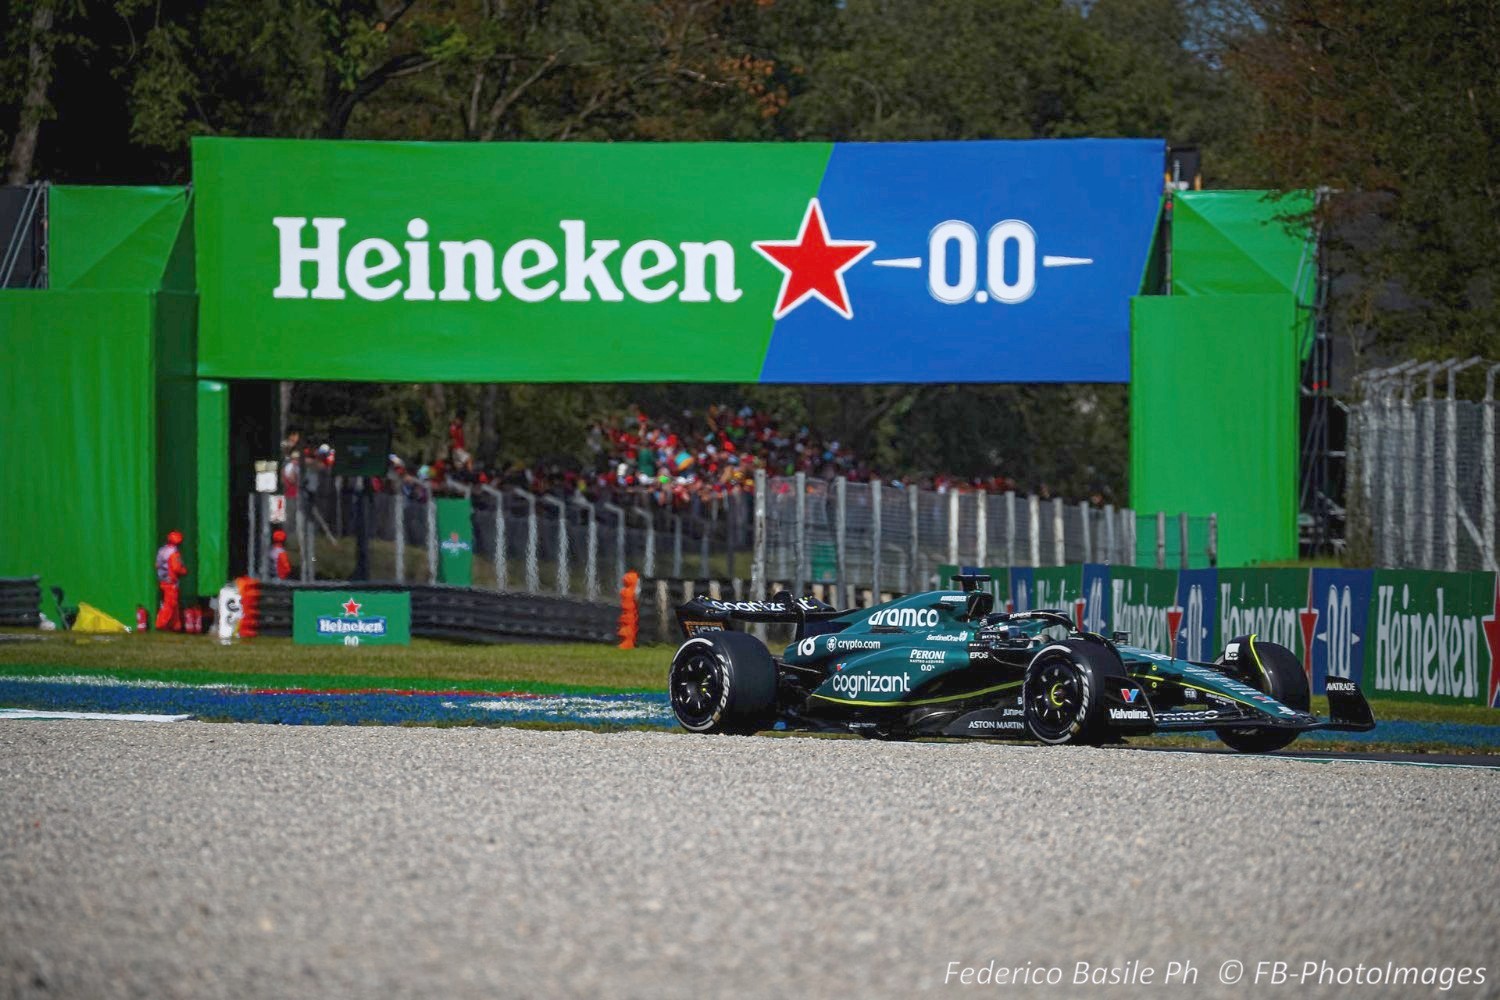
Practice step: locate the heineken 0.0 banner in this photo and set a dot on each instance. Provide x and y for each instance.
(455, 530)
(351, 617)
(730, 262)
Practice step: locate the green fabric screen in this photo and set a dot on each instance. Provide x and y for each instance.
(213, 482)
(112, 237)
(81, 440)
(1239, 243)
(103, 352)
(1213, 417)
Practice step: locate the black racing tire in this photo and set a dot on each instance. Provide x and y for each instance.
(1063, 692)
(1276, 671)
(723, 682)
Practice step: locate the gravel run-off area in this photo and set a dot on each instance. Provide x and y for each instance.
(201, 860)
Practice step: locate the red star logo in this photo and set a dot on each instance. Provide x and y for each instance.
(351, 607)
(1309, 620)
(813, 265)
(1492, 640)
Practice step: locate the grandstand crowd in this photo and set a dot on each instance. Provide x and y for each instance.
(672, 461)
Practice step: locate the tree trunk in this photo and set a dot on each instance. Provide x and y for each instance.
(34, 102)
(435, 402)
(489, 433)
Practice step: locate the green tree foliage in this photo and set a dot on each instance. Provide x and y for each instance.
(1392, 102)
(1393, 105)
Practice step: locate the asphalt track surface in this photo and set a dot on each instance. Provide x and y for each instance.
(198, 860)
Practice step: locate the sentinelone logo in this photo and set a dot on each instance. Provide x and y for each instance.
(812, 265)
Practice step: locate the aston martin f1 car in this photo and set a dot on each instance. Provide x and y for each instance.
(944, 663)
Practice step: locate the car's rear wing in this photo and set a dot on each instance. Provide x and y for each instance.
(707, 614)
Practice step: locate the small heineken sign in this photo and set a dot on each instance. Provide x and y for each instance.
(455, 532)
(351, 618)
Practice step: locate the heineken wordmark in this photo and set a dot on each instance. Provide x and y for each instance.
(647, 271)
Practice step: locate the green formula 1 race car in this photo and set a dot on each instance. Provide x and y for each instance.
(943, 663)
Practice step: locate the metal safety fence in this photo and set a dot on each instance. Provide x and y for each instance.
(884, 538)
(1422, 489)
(521, 541)
(853, 541)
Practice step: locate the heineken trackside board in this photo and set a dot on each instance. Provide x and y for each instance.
(351, 618)
(736, 262)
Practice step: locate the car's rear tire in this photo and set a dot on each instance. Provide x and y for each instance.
(1276, 671)
(723, 682)
(1063, 693)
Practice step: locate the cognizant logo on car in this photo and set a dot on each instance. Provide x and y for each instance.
(855, 685)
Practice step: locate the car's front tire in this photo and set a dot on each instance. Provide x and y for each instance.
(1276, 671)
(1063, 693)
(723, 682)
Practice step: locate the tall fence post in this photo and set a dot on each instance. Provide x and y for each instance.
(1428, 490)
(1059, 550)
(982, 529)
(619, 513)
(1010, 527)
(953, 501)
(1083, 519)
(432, 539)
(648, 558)
(1487, 471)
(676, 545)
(705, 536)
(875, 540)
(758, 557)
(398, 501)
(502, 581)
(252, 560)
(590, 548)
(1213, 540)
(731, 529)
(1161, 539)
(1034, 519)
(911, 579)
(1128, 536)
(561, 576)
(1450, 466)
(533, 563)
(840, 527)
(799, 543)
(1182, 539)
(1111, 552)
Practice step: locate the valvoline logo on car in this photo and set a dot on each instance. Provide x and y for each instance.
(1130, 695)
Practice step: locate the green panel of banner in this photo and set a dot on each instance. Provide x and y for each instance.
(351, 617)
(1265, 603)
(1431, 636)
(1138, 603)
(1056, 588)
(499, 320)
(455, 528)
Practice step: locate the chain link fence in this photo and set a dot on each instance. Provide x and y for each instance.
(846, 541)
(1422, 466)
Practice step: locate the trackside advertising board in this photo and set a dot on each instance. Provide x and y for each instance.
(1399, 633)
(725, 262)
(351, 617)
